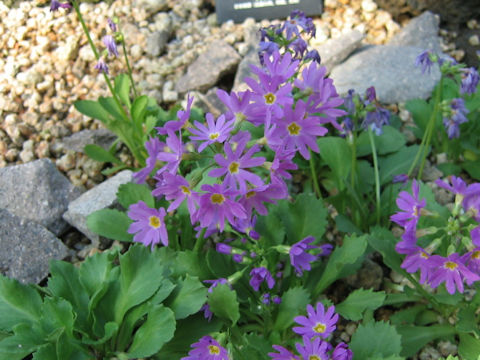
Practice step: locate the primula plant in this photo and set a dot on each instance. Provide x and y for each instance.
(225, 256)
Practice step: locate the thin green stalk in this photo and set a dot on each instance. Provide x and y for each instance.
(129, 68)
(314, 176)
(427, 136)
(377, 176)
(354, 160)
(200, 241)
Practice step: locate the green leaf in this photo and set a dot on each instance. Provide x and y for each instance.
(154, 333)
(271, 227)
(122, 88)
(18, 303)
(92, 109)
(224, 304)
(94, 270)
(467, 319)
(139, 110)
(294, 301)
(46, 352)
(98, 153)
(109, 104)
(136, 281)
(187, 298)
(408, 315)
(132, 193)
(352, 249)
(336, 152)
(110, 223)
(472, 168)
(353, 307)
(383, 241)
(25, 341)
(469, 347)
(421, 112)
(110, 329)
(396, 164)
(57, 313)
(415, 337)
(375, 339)
(390, 141)
(344, 224)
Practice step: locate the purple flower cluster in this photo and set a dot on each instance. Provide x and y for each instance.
(315, 329)
(110, 48)
(207, 348)
(457, 266)
(244, 181)
(454, 116)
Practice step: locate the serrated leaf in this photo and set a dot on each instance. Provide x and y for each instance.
(94, 270)
(18, 303)
(131, 193)
(467, 319)
(154, 333)
(224, 304)
(352, 249)
(110, 223)
(415, 337)
(187, 298)
(353, 307)
(136, 281)
(294, 301)
(469, 347)
(57, 313)
(92, 109)
(26, 339)
(375, 339)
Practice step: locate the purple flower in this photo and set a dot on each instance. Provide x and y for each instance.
(148, 226)
(298, 131)
(215, 131)
(224, 248)
(458, 185)
(452, 271)
(247, 226)
(417, 259)
(216, 205)
(318, 323)
(207, 348)
(101, 66)
(425, 61)
(207, 314)
(313, 55)
(409, 239)
(277, 299)
(171, 154)
(153, 146)
(470, 80)
(176, 125)
(258, 276)
(109, 42)
(400, 178)
(234, 165)
(279, 69)
(283, 354)
(325, 249)
(112, 25)
(237, 104)
(472, 260)
(55, 5)
(455, 117)
(299, 46)
(342, 352)
(299, 257)
(176, 188)
(371, 94)
(313, 348)
(376, 119)
(257, 196)
(410, 205)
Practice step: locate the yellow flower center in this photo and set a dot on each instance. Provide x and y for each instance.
(213, 136)
(217, 199)
(214, 350)
(185, 190)
(233, 167)
(239, 117)
(423, 255)
(250, 194)
(154, 222)
(320, 328)
(314, 357)
(294, 128)
(269, 98)
(450, 265)
(476, 255)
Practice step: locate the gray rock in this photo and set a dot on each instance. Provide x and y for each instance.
(421, 32)
(391, 69)
(100, 197)
(151, 6)
(209, 102)
(157, 42)
(334, 51)
(27, 247)
(218, 60)
(370, 276)
(101, 137)
(37, 191)
(244, 70)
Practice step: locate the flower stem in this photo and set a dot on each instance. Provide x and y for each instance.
(377, 176)
(316, 186)
(135, 94)
(200, 241)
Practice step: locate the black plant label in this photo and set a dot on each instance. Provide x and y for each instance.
(239, 10)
